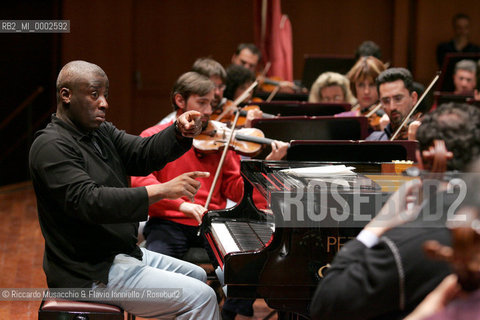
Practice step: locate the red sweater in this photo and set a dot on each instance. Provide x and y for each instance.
(229, 184)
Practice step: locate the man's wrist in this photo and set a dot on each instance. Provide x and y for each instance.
(177, 130)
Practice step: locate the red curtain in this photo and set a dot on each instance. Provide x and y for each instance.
(273, 36)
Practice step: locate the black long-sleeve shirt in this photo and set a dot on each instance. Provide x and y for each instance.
(390, 279)
(87, 212)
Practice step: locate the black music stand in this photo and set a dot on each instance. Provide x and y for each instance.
(297, 108)
(314, 65)
(445, 82)
(446, 97)
(313, 128)
(282, 96)
(358, 151)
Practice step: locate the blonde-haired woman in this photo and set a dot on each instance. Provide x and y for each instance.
(331, 87)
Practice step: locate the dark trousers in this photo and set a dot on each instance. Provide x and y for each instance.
(171, 238)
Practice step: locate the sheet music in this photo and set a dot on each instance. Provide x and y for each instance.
(323, 171)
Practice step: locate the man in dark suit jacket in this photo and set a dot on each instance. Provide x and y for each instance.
(383, 273)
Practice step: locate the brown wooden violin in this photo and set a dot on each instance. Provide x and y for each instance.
(228, 111)
(373, 117)
(245, 141)
(274, 83)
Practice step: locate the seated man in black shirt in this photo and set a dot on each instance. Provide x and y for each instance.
(88, 214)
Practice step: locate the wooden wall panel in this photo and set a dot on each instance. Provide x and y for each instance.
(338, 27)
(101, 33)
(170, 35)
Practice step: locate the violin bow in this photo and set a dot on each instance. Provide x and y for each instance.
(273, 93)
(263, 74)
(237, 101)
(374, 109)
(416, 105)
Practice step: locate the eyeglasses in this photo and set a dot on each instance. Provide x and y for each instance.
(397, 99)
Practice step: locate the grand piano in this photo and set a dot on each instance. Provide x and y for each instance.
(279, 253)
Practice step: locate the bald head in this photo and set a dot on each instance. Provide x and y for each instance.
(76, 72)
(82, 92)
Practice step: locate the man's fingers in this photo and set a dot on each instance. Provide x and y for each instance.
(191, 118)
(198, 174)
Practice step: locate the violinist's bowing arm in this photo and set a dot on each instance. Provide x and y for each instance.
(192, 210)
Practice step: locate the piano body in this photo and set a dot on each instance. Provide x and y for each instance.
(279, 254)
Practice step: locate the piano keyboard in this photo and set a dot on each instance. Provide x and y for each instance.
(234, 236)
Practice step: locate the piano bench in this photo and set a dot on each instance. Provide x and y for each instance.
(80, 310)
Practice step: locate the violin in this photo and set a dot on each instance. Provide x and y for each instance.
(228, 112)
(245, 141)
(373, 117)
(270, 84)
(276, 83)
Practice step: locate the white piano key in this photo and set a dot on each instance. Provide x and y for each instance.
(223, 238)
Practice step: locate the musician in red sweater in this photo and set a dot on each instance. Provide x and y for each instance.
(173, 224)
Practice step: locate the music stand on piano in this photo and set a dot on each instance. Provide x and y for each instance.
(311, 128)
(283, 96)
(347, 150)
(300, 108)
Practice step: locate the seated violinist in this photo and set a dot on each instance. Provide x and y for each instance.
(216, 73)
(171, 228)
(362, 78)
(331, 87)
(238, 80)
(465, 77)
(248, 55)
(398, 97)
(173, 224)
